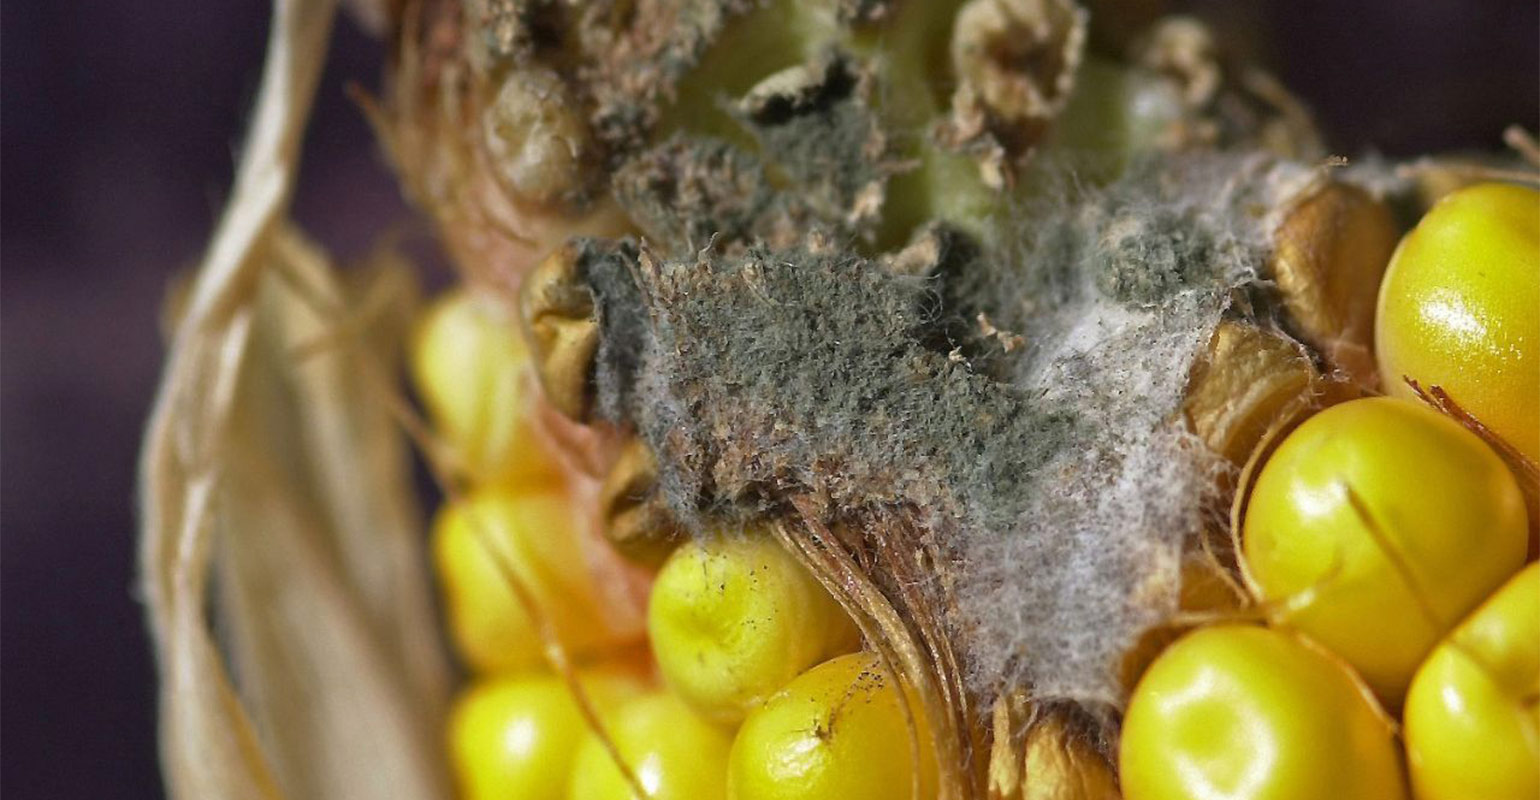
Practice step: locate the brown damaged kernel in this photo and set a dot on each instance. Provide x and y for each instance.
(1205, 591)
(1331, 250)
(1016, 58)
(1183, 49)
(540, 145)
(1248, 378)
(500, 30)
(636, 521)
(815, 125)
(1048, 758)
(1225, 103)
(1015, 62)
(633, 55)
(1063, 764)
(562, 330)
(924, 254)
(1004, 765)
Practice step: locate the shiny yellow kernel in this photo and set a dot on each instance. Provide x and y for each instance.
(1472, 722)
(1460, 309)
(470, 365)
(516, 736)
(1438, 523)
(837, 732)
(673, 753)
(533, 533)
(734, 618)
(1246, 713)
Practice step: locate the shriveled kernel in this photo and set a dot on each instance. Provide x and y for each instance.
(1205, 589)
(1183, 49)
(517, 736)
(1018, 57)
(1248, 380)
(1246, 712)
(1007, 721)
(1039, 754)
(1015, 62)
(1476, 701)
(837, 732)
(563, 332)
(636, 520)
(1330, 251)
(533, 536)
(1375, 527)
(537, 137)
(672, 753)
(1224, 103)
(1063, 764)
(1434, 178)
(471, 368)
(734, 618)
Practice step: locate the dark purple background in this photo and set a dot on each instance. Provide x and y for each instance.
(120, 118)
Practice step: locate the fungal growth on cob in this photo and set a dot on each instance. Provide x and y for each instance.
(992, 399)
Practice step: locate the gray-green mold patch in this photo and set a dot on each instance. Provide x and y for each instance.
(1025, 400)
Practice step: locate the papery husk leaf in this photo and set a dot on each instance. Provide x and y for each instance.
(280, 482)
(321, 586)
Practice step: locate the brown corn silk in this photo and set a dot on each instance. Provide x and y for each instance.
(282, 559)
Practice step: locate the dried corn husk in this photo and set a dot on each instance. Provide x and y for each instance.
(275, 490)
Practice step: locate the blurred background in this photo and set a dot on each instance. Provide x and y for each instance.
(118, 127)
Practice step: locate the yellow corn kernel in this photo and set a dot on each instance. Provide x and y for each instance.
(672, 753)
(1473, 712)
(472, 370)
(534, 534)
(1460, 309)
(1376, 526)
(837, 732)
(516, 736)
(735, 618)
(1242, 712)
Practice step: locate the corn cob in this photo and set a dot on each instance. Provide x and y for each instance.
(796, 303)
